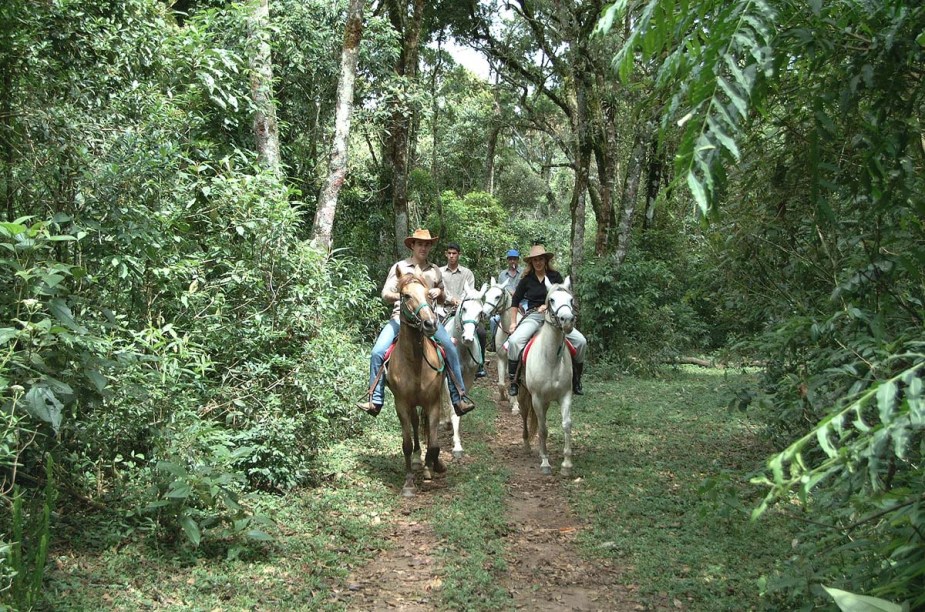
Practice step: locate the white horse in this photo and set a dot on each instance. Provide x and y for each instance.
(548, 376)
(498, 301)
(461, 328)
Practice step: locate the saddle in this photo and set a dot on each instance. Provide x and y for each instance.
(523, 356)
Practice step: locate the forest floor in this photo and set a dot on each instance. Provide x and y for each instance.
(654, 517)
(545, 568)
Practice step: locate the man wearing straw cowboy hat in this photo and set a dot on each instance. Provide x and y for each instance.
(420, 243)
(533, 287)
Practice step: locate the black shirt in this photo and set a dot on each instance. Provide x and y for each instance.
(533, 290)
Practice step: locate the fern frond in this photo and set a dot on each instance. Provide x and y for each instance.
(714, 56)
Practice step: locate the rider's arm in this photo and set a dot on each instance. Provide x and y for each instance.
(514, 313)
(390, 288)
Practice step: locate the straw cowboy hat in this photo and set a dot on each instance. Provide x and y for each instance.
(538, 250)
(421, 234)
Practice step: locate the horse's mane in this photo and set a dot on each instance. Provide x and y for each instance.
(557, 287)
(409, 278)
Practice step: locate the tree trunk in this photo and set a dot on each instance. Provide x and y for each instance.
(397, 149)
(266, 132)
(337, 164)
(583, 163)
(653, 182)
(630, 195)
(492, 144)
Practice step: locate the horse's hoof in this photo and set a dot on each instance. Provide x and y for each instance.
(416, 464)
(427, 475)
(457, 454)
(547, 471)
(407, 492)
(440, 467)
(565, 473)
(515, 410)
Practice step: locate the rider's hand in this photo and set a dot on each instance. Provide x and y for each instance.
(433, 293)
(541, 308)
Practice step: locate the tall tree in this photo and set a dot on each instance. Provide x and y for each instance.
(266, 130)
(397, 149)
(337, 164)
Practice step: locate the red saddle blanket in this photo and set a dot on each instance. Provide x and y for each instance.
(571, 349)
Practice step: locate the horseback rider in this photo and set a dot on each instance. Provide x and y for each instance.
(508, 277)
(533, 287)
(455, 280)
(420, 244)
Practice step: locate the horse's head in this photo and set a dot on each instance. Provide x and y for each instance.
(560, 306)
(469, 313)
(496, 299)
(416, 308)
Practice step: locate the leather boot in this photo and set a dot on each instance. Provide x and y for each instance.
(577, 370)
(369, 408)
(512, 376)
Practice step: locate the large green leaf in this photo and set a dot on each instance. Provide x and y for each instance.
(849, 602)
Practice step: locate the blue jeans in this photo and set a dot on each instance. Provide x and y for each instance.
(385, 339)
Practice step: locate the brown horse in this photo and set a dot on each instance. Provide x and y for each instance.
(415, 376)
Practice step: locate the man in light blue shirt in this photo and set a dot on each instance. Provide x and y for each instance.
(509, 277)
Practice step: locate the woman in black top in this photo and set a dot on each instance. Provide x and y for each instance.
(533, 287)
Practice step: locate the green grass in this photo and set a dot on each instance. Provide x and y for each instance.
(323, 533)
(660, 478)
(663, 469)
(469, 519)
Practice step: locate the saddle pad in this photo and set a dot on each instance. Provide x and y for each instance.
(571, 348)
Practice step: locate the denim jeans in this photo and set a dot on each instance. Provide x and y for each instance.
(385, 339)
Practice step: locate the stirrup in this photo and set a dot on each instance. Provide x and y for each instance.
(513, 390)
(463, 406)
(369, 408)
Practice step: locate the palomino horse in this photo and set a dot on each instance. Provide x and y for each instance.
(461, 328)
(497, 300)
(548, 376)
(415, 376)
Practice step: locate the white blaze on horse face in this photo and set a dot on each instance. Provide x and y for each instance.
(470, 312)
(492, 299)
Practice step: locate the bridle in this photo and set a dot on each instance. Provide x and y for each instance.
(413, 317)
(498, 307)
(552, 316)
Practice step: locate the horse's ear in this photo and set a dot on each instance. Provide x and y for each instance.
(493, 280)
(567, 283)
(483, 289)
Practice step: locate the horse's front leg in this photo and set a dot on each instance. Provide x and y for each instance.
(432, 463)
(407, 446)
(457, 441)
(566, 405)
(540, 409)
(415, 425)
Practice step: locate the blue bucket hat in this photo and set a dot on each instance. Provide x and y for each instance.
(513, 253)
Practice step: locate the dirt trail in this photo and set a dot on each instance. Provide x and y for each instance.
(545, 569)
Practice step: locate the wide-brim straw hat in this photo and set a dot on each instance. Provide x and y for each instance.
(420, 234)
(538, 250)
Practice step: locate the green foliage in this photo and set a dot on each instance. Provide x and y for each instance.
(196, 485)
(820, 248)
(714, 56)
(642, 317)
(478, 223)
(22, 559)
